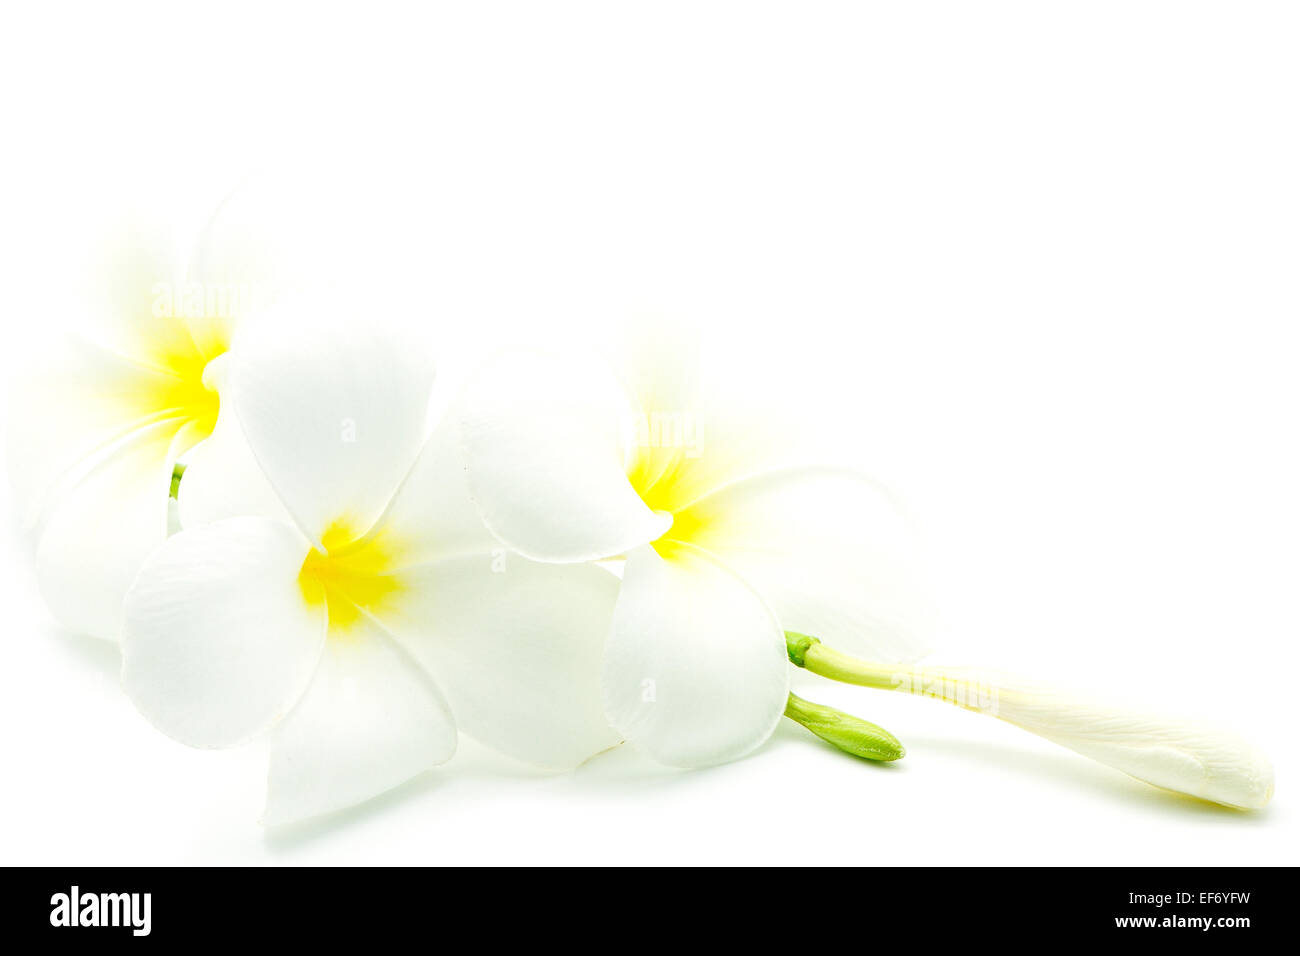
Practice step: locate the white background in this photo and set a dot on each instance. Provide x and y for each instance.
(1034, 264)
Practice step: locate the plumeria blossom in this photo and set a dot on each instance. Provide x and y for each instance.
(569, 462)
(99, 424)
(727, 571)
(361, 615)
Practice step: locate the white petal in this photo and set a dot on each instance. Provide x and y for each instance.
(100, 531)
(516, 646)
(432, 516)
(222, 478)
(370, 720)
(828, 550)
(695, 669)
(265, 240)
(333, 409)
(694, 432)
(136, 293)
(288, 229)
(543, 444)
(659, 363)
(1182, 755)
(218, 642)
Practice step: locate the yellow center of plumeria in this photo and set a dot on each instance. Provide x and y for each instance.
(353, 573)
(182, 391)
(192, 398)
(663, 477)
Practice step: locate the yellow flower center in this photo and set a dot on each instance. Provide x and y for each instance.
(353, 573)
(180, 390)
(189, 396)
(664, 480)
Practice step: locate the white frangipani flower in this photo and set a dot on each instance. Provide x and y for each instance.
(376, 618)
(721, 561)
(567, 464)
(99, 424)
(96, 429)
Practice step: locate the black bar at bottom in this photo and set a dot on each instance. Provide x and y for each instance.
(577, 908)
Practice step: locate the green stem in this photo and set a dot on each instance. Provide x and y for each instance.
(1169, 752)
(178, 470)
(949, 685)
(850, 734)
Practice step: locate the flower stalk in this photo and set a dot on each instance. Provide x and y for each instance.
(178, 471)
(1172, 753)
